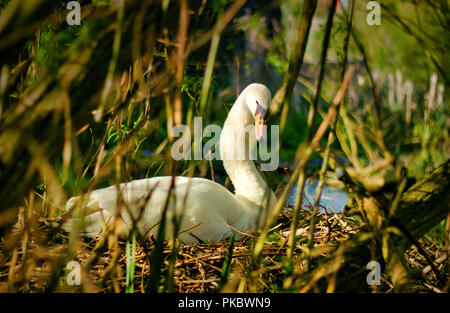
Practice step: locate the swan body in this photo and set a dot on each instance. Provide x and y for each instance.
(209, 211)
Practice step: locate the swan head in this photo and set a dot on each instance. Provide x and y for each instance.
(258, 98)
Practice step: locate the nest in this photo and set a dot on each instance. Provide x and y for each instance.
(34, 258)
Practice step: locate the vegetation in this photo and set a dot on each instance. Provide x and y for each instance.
(90, 105)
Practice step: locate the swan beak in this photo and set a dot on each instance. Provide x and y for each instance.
(259, 126)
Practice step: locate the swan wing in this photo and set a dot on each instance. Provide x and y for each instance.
(207, 208)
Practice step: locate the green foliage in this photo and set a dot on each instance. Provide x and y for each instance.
(226, 268)
(131, 260)
(255, 28)
(102, 3)
(437, 233)
(292, 133)
(4, 4)
(193, 80)
(119, 132)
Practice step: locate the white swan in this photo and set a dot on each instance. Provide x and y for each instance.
(211, 212)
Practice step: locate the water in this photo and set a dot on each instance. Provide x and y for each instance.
(332, 200)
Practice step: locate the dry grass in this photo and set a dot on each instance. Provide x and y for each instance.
(33, 259)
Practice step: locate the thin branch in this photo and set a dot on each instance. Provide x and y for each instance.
(283, 96)
(311, 118)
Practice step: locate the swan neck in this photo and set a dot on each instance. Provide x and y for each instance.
(242, 171)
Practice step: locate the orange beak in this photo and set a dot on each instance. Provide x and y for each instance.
(259, 126)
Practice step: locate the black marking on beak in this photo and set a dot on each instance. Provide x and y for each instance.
(260, 109)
